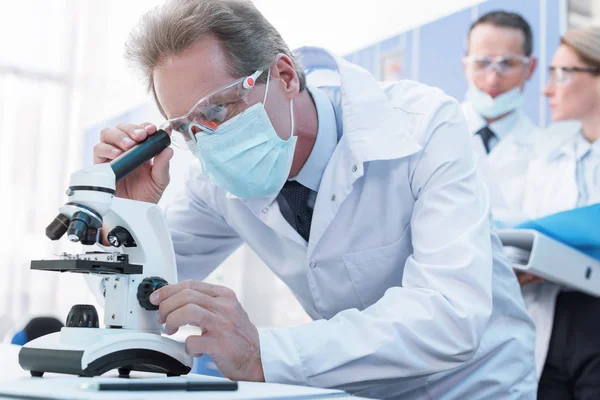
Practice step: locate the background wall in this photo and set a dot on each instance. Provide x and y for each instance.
(432, 52)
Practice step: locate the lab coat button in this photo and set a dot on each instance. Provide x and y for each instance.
(333, 197)
(265, 210)
(354, 168)
(313, 264)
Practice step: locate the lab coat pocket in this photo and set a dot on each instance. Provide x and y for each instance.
(374, 271)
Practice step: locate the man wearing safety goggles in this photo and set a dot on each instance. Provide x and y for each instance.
(498, 65)
(363, 198)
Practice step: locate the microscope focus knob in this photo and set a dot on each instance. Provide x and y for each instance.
(146, 288)
(82, 316)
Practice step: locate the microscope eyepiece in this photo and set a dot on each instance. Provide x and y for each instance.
(140, 153)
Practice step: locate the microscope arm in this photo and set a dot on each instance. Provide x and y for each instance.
(153, 250)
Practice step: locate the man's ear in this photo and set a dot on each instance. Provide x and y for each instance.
(284, 69)
(532, 67)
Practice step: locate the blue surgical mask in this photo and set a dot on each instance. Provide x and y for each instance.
(245, 156)
(489, 107)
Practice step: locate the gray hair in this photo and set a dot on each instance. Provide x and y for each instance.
(250, 41)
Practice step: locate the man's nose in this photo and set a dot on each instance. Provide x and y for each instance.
(548, 89)
(493, 76)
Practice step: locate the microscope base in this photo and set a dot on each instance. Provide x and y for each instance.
(94, 351)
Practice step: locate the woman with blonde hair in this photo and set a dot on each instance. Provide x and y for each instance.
(568, 322)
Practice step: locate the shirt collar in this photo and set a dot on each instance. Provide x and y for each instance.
(504, 126)
(576, 146)
(596, 147)
(311, 173)
(582, 146)
(501, 128)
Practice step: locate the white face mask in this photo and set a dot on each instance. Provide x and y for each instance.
(245, 156)
(489, 107)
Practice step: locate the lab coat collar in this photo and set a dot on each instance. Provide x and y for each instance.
(372, 130)
(372, 125)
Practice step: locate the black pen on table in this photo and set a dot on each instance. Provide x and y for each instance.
(189, 386)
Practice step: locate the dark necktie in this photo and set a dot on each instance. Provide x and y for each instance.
(296, 197)
(486, 135)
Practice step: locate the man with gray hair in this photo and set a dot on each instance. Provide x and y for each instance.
(363, 198)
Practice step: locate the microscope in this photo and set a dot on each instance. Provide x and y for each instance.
(143, 261)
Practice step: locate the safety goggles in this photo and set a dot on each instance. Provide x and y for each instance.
(205, 117)
(564, 75)
(509, 65)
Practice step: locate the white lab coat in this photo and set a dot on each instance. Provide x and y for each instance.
(551, 187)
(398, 273)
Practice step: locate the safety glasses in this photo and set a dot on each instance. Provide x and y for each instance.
(508, 65)
(564, 75)
(205, 117)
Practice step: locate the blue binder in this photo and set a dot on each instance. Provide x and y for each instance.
(578, 228)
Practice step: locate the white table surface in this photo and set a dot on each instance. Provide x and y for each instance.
(13, 379)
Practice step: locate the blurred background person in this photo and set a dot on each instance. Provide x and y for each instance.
(498, 65)
(568, 322)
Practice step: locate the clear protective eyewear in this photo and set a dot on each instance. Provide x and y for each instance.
(210, 112)
(503, 65)
(564, 75)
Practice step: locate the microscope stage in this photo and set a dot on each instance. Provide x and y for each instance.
(87, 266)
